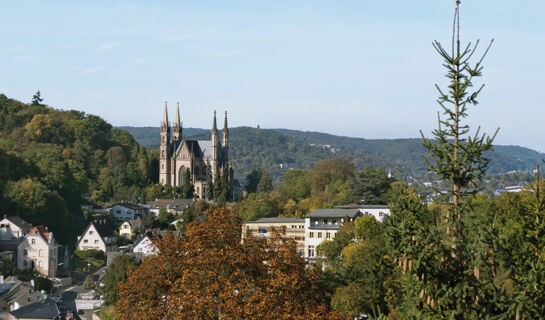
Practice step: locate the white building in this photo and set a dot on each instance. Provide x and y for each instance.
(322, 225)
(145, 246)
(38, 252)
(378, 211)
(127, 211)
(97, 236)
(13, 228)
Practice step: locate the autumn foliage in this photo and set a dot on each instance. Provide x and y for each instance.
(211, 274)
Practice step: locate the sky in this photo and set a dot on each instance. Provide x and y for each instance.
(355, 68)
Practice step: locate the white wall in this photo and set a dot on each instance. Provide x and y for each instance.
(9, 230)
(39, 251)
(91, 240)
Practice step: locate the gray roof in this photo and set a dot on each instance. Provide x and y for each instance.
(129, 205)
(206, 147)
(333, 213)
(364, 206)
(277, 220)
(25, 226)
(46, 309)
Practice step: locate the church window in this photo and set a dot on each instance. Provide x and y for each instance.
(163, 166)
(163, 153)
(197, 172)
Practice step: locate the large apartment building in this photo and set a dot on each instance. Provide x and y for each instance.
(265, 228)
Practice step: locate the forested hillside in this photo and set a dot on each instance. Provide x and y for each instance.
(268, 148)
(408, 152)
(50, 158)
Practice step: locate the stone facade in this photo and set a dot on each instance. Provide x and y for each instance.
(38, 252)
(200, 157)
(265, 228)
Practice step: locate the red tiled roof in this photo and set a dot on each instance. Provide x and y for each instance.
(41, 230)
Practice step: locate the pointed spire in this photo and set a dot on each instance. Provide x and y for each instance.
(178, 124)
(165, 115)
(215, 126)
(225, 122)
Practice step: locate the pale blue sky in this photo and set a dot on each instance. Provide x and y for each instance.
(356, 68)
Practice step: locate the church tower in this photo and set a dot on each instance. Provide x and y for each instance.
(177, 129)
(214, 148)
(164, 164)
(225, 141)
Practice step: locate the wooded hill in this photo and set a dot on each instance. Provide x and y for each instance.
(268, 148)
(49, 159)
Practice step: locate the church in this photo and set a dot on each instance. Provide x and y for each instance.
(200, 157)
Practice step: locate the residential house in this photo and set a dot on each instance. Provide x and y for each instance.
(144, 247)
(322, 225)
(174, 206)
(38, 251)
(127, 211)
(45, 309)
(97, 236)
(13, 228)
(265, 228)
(128, 228)
(15, 294)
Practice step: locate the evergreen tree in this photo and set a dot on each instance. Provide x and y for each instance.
(265, 183)
(210, 183)
(37, 99)
(188, 189)
(453, 276)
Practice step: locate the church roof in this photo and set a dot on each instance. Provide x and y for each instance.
(201, 148)
(206, 147)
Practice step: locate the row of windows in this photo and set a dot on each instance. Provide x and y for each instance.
(40, 253)
(87, 241)
(319, 235)
(333, 222)
(25, 264)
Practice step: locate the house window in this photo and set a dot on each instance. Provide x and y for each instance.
(335, 222)
(325, 221)
(25, 253)
(311, 234)
(311, 251)
(319, 235)
(33, 241)
(96, 241)
(25, 263)
(316, 222)
(85, 241)
(328, 235)
(90, 231)
(262, 230)
(40, 264)
(40, 253)
(125, 227)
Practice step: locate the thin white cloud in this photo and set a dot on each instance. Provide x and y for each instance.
(108, 46)
(177, 38)
(90, 70)
(136, 61)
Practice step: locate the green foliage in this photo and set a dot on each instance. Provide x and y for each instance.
(118, 271)
(369, 186)
(165, 218)
(41, 283)
(95, 254)
(88, 260)
(49, 158)
(187, 187)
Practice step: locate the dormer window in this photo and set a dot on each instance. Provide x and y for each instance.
(33, 241)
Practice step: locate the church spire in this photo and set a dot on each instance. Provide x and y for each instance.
(177, 130)
(225, 131)
(214, 125)
(165, 116)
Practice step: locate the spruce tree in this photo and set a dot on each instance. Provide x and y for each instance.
(453, 275)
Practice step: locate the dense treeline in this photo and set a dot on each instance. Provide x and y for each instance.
(331, 182)
(49, 158)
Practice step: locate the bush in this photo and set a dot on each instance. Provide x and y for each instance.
(88, 283)
(85, 254)
(41, 283)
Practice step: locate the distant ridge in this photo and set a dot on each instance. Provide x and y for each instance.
(268, 148)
